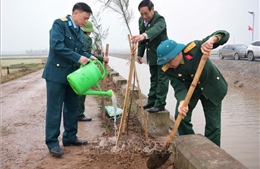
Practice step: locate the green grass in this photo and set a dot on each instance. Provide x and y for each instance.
(15, 61)
(19, 67)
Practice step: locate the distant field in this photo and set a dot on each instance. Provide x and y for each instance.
(14, 61)
(13, 64)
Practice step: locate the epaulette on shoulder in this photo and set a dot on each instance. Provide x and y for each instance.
(189, 47)
(64, 19)
(165, 68)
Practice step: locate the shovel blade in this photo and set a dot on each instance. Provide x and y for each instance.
(157, 159)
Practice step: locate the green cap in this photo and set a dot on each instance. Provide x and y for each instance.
(167, 50)
(88, 27)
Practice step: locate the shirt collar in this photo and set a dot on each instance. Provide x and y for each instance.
(182, 61)
(145, 23)
(74, 25)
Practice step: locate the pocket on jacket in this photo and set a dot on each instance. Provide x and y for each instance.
(59, 70)
(69, 40)
(215, 89)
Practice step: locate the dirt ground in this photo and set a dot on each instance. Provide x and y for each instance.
(23, 124)
(23, 108)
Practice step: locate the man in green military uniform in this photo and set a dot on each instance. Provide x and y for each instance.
(87, 41)
(152, 27)
(65, 53)
(180, 64)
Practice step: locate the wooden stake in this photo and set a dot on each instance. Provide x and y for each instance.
(106, 54)
(132, 57)
(1, 73)
(144, 120)
(126, 99)
(104, 80)
(132, 69)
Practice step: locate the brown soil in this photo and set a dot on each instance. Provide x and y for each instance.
(23, 123)
(242, 74)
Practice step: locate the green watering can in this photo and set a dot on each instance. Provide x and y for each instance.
(88, 76)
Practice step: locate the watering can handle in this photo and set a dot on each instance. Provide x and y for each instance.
(187, 98)
(103, 73)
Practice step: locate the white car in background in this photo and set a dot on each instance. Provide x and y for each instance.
(253, 50)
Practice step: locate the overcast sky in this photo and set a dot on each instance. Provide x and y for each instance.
(25, 24)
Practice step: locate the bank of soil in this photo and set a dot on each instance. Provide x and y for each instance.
(242, 74)
(23, 104)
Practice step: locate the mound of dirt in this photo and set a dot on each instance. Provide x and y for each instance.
(243, 73)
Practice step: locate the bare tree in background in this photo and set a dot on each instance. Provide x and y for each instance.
(99, 35)
(121, 7)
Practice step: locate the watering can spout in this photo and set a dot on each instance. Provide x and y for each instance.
(108, 93)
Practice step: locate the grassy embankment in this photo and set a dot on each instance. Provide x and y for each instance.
(12, 68)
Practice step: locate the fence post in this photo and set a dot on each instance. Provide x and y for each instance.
(1, 74)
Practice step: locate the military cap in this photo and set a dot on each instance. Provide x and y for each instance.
(88, 27)
(167, 50)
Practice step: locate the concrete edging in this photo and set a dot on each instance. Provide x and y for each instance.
(188, 151)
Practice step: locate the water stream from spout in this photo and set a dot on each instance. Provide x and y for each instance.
(114, 102)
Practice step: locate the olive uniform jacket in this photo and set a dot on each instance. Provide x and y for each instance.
(66, 48)
(87, 41)
(156, 31)
(211, 85)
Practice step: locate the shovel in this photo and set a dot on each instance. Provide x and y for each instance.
(158, 158)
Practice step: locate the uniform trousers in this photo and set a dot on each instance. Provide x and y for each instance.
(212, 115)
(81, 107)
(159, 84)
(59, 95)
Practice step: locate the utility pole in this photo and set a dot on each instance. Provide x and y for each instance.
(252, 13)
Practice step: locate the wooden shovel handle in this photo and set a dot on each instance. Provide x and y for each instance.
(187, 98)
